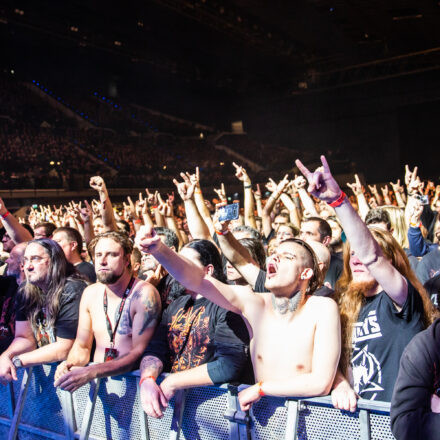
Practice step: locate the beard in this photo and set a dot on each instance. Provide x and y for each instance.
(108, 277)
(360, 289)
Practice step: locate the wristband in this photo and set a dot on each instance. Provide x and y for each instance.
(5, 214)
(198, 191)
(260, 389)
(222, 232)
(138, 220)
(415, 225)
(247, 186)
(145, 378)
(339, 200)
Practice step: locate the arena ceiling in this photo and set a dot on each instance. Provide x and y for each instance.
(282, 46)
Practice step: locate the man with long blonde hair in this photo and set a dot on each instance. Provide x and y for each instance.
(382, 303)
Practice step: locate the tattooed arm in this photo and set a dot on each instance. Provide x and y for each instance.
(146, 305)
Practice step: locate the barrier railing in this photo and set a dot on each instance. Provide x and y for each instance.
(110, 408)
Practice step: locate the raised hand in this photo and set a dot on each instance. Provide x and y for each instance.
(257, 192)
(271, 185)
(240, 173)
(397, 188)
(299, 182)
(384, 190)
(185, 188)
(148, 240)
(321, 183)
(410, 175)
(221, 192)
(373, 189)
(97, 183)
(356, 187)
(151, 197)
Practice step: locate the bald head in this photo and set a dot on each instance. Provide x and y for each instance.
(14, 260)
(322, 254)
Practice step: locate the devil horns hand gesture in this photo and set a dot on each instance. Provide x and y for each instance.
(321, 182)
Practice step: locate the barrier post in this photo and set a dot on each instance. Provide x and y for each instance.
(364, 420)
(238, 420)
(24, 386)
(293, 409)
(143, 419)
(66, 401)
(90, 409)
(179, 408)
(11, 400)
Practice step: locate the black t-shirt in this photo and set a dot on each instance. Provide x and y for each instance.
(335, 269)
(195, 332)
(66, 322)
(429, 266)
(379, 338)
(8, 290)
(433, 288)
(87, 270)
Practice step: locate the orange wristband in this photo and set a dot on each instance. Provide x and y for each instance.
(260, 390)
(222, 232)
(145, 378)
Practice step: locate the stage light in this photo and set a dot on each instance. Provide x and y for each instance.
(12, 71)
(51, 162)
(222, 163)
(58, 163)
(201, 135)
(164, 167)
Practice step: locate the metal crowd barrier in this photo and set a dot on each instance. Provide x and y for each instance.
(110, 408)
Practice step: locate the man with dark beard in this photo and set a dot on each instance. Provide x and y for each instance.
(119, 311)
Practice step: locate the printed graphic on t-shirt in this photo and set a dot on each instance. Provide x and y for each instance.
(7, 319)
(188, 338)
(44, 334)
(367, 372)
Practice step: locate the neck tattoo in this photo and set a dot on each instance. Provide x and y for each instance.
(284, 305)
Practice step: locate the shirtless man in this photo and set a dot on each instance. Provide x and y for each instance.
(121, 332)
(295, 336)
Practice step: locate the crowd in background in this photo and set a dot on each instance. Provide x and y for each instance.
(305, 291)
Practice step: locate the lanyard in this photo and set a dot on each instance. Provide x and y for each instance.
(110, 331)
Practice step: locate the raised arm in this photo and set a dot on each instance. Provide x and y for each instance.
(108, 217)
(200, 201)
(357, 189)
(270, 203)
(86, 215)
(193, 277)
(323, 185)
(236, 253)
(196, 225)
(309, 205)
(15, 230)
(249, 205)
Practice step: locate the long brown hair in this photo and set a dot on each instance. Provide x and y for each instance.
(351, 300)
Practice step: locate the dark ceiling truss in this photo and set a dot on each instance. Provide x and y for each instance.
(377, 70)
(237, 25)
